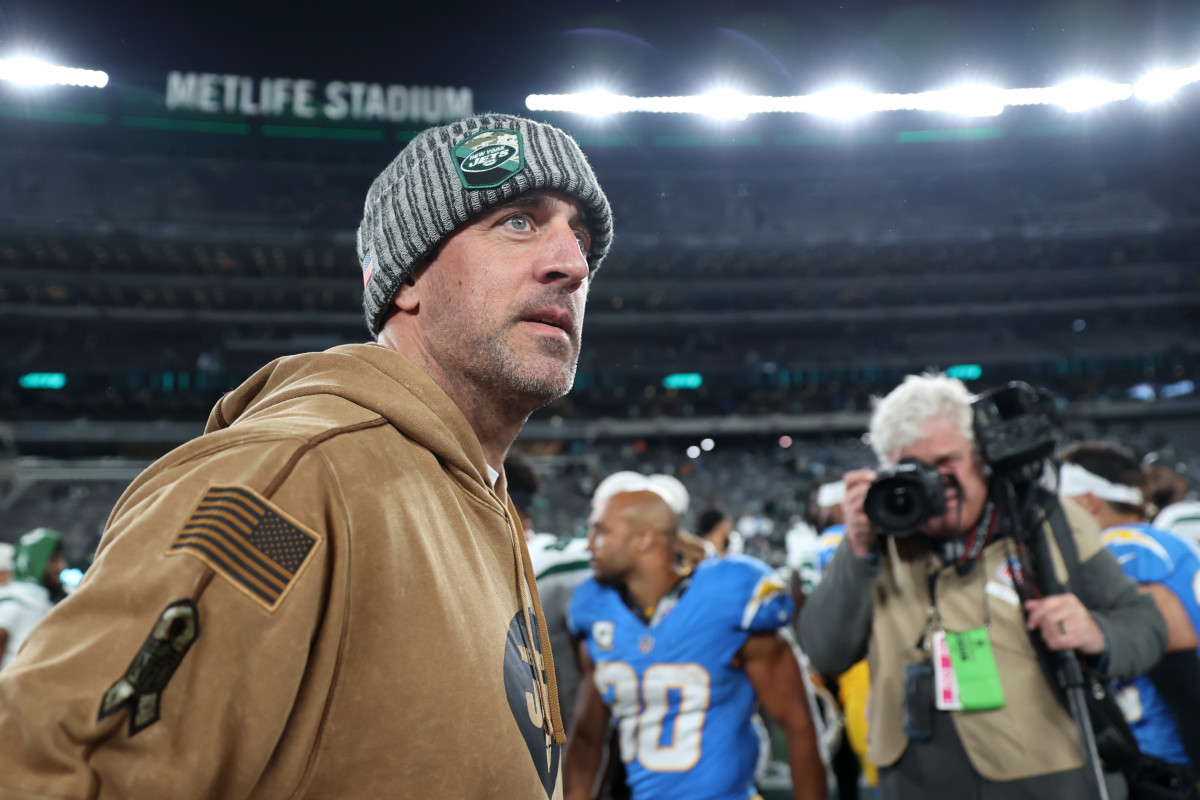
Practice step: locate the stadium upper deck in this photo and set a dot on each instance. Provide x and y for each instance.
(796, 267)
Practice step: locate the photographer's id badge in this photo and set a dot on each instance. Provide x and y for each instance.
(975, 670)
(945, 684)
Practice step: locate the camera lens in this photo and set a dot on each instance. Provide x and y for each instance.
(898, 502)
(900, 506)
(903, 499)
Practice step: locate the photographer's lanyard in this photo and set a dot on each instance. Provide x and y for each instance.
(964, 668)
(972, 548)
(978, 538)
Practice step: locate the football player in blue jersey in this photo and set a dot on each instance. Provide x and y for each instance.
(829, 522)
(678, 660)
(1107, 481)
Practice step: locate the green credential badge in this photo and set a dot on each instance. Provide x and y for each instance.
(975, 670)
(487, 159)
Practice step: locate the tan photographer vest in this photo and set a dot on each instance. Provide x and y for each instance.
(1032, 734)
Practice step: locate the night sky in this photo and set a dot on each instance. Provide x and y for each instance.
(630, 46)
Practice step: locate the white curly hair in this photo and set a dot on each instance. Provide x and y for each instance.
(899, 419)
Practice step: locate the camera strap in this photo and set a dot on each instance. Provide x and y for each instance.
(978, 538)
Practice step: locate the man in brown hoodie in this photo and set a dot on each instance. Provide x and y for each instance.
(328, 593)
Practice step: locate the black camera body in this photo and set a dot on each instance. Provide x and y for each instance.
(905, 497)
(1016, 429)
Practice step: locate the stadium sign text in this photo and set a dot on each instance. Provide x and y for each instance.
(337, 100)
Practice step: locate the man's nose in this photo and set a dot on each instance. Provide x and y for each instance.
(562, 259)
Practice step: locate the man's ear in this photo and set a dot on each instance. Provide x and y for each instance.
(408, 296)
(642, 539)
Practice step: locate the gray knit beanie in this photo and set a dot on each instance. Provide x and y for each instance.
(448, 175)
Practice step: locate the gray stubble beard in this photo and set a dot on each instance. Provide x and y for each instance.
(505, 372)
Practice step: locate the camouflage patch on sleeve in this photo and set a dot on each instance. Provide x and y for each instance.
(140, 689)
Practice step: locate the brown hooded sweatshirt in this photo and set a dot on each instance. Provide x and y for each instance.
(322, 597)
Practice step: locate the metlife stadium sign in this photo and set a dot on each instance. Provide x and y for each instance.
(305, 99)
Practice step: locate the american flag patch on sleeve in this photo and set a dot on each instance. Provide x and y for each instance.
(248, 541)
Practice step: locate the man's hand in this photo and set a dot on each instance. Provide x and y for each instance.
(1065, 624)
(860, 533)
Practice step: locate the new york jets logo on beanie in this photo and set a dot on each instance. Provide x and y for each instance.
(489, 158)
(451, 174)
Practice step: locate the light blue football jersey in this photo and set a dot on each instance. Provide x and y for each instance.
(827, 545)
(681, 705)
(1150, 555)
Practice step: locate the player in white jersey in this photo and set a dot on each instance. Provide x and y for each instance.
(37, 561)
(1179, 508)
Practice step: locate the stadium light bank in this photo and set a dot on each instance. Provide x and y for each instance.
(848, 102)
(25, 71)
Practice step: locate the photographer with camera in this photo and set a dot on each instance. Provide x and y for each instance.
(934, 582)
